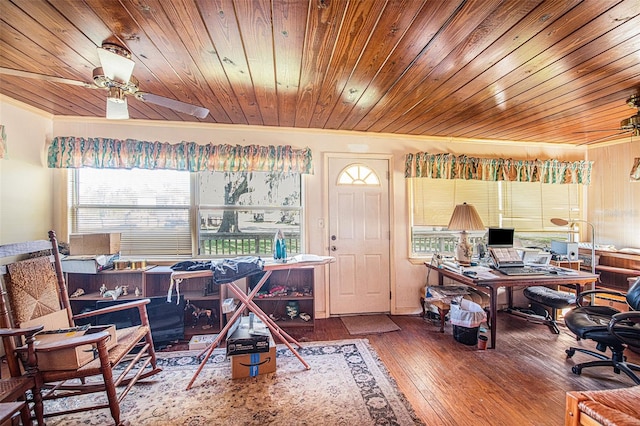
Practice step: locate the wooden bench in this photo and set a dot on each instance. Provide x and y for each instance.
(615, 268)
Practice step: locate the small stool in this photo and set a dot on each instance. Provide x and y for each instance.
(548, 298)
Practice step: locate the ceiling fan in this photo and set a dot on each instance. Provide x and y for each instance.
(629, 125)
(116, 76)
(632, 123)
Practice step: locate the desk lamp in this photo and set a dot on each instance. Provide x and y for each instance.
(465, 218)
(562, 222)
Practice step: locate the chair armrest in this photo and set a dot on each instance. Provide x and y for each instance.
(71, 342)
(598, 291)
(13, 332)
(27, 351)
(625, 326)
(115, 308)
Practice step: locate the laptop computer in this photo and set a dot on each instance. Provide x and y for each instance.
(507, 261)
(500, 237)
(506, 258)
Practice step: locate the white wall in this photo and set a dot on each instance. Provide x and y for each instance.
(26, 188)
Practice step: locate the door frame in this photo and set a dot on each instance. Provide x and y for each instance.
(325, 188)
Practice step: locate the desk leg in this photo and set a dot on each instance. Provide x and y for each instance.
(493, 323)
(443, 311)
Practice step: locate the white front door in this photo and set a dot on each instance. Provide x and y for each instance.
(359, 235)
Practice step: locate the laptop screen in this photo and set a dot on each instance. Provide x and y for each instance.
(500, 237)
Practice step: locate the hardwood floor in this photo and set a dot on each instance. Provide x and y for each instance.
(522, 382)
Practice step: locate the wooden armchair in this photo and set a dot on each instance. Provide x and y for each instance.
(14, 389)
(603, 407)
(37, 294)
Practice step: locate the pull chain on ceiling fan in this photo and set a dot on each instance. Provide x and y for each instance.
(116, 76)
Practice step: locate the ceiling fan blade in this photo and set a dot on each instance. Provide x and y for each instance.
(604, 138)
(117, 110)
(18, 73)
(598, 131)
(114, 66)
(186, 108)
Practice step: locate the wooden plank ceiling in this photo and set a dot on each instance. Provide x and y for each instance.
(544, 71)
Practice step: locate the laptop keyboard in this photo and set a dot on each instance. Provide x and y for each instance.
(523, 270)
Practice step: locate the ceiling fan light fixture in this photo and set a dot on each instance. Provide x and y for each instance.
(117, 110)
(116, 95)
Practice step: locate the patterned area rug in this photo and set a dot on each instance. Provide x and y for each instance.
(346, 385)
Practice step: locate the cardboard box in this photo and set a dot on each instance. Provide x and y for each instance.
(71, 358)
(108, 243)
(251, 365)
(87, 264)
(248, 336)
(201, 341)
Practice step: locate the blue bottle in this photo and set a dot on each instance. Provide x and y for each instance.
(279, 247)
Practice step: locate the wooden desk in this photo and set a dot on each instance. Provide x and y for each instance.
(500, 280)
(248, 303)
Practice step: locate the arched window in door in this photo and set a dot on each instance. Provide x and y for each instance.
(358, 174)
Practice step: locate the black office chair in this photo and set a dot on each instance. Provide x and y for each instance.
(609, 328)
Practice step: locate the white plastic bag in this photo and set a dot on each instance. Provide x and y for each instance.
(467, 314)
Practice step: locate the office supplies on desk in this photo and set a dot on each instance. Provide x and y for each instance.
(508, 261)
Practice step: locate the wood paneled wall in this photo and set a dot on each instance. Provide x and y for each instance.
(613, 201)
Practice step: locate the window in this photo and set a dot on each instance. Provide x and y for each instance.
(150, 208)
(526, 206)
(240, 213)
(358, 174)
(237, 213)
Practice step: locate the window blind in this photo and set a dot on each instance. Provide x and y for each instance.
(151, 209)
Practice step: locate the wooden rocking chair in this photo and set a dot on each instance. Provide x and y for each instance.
(37, 294)
(13, 390)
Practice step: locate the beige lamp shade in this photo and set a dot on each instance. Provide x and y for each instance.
(465, 218)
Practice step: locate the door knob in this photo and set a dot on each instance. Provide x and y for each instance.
(333, 238)
(334, 248)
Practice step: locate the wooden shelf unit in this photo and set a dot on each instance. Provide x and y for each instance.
(299, 286)
(153, 281)
(615, 269)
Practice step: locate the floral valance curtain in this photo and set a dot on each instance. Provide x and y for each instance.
(105, 153)
(449, 166)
